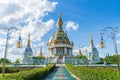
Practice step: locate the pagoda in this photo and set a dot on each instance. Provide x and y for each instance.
(59, 45)
(28, 53)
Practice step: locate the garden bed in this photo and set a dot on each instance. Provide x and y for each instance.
(94, 73)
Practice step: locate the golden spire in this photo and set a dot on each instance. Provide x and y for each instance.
(59, 21)
(91, 40)
(41, 50)
(79, 51)
(28, 40)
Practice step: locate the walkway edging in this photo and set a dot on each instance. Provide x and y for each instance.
(72, 74)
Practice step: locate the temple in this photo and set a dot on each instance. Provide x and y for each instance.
(28, 53)
(59, 45)
(93, 55)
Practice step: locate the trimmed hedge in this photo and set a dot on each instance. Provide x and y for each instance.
(34, 74)
(94, 73)
(14, 69)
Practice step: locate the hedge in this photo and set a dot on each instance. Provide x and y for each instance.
(14, 69)
(34, 74)
(94, 73)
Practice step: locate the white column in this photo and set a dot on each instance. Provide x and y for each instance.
(65, 50)
(54, 51)
(69, 51)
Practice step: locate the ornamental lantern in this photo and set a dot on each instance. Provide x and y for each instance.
(19, 42)
(102, 42)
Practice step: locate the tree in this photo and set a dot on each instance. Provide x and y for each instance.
(39, 57)
(6, 60)
(17, 61)
(112, 59)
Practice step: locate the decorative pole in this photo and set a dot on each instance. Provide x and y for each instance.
(111, 32)
(8, 30)
(19, 45)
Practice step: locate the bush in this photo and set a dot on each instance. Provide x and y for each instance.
(13, 69)
(94, 73)
(34, 74)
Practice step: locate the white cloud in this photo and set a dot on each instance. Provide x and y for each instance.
(84, 50)
(71, 25)
(18, 11)
(28, 15)
(118, 35)
(118, 41)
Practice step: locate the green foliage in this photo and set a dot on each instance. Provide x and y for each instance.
(17, 61)
(83, 57)
(102, 60)
(6, 60)
(94, 73)
(39, 57)
(34, 74)
(13, 69)
(112, 59)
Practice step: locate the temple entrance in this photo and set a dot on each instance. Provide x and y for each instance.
(60, 55)
(60, 52)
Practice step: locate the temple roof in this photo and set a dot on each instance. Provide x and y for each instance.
(28, 48)
(60, 36)
(92, 47)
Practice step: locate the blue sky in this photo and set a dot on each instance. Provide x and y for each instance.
(92, 16)
(39, 17)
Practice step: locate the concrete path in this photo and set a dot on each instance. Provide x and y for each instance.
(60, 73)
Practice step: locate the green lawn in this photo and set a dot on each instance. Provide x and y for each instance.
(94, 73)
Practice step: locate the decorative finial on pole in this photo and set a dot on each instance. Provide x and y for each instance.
(28, 40)
(59, 21)
(91, 40)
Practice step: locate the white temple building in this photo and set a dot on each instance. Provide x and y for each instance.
(59, 45)
(28, 53)
(93, 54)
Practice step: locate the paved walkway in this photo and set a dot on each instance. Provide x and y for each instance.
(60, 73)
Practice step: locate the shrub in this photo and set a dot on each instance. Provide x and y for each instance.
(34, 74)
(13, 69)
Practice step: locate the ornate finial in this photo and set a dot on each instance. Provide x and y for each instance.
(28, 40)
(79, 51)
(19, 41)
(41, 50)
(91, 40)
(59, 21)
(91, 37)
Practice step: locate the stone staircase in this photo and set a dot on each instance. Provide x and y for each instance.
(60, 60)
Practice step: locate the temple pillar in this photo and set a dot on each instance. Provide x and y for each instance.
(71, 51)
(65, 50)
(54, 51)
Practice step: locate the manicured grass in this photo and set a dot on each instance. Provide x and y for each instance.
(94, 73)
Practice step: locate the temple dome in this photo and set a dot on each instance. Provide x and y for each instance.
(28, 49)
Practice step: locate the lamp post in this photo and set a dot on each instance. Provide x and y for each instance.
(8, 31)
(111, 32)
